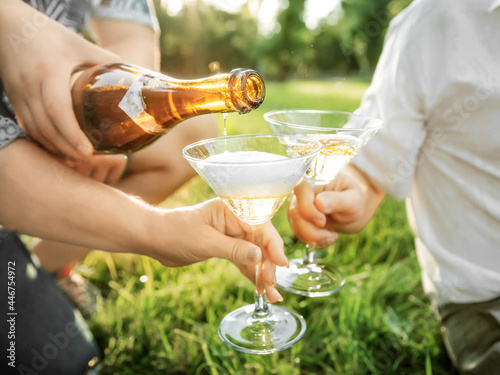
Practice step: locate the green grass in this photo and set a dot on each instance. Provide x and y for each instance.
(380, 323)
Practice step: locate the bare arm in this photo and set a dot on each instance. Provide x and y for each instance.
(41, 197)
(44, 198)
(134, 43)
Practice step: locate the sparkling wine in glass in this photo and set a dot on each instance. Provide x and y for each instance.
(342, 135)
(253, 175)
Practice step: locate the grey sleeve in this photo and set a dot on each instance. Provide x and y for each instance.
(139, 11)
(9, 129)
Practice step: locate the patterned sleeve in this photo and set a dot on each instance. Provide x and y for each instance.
(139, 11)
(9, 129)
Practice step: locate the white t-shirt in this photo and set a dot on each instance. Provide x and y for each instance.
(437, 90)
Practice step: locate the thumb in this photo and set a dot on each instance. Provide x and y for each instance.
(329, 202)
(94, 55)
(304, 204)
(103, 56)
(236, 250)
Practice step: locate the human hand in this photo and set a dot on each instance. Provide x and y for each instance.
(210, 229)
(107, 169)
(315, 214)
(36, 69)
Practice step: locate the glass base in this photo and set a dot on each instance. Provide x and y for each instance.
(310, 280)
(253, 332)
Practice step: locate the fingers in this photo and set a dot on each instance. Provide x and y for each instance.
(330, 202)
(46, 111)
(309, 233)
(236, 250)
(247, 257)
(266, 280)
(66, 133)
(304, 229)
(304, 201)
(44, 114)
(272, 294)
(25, 117)
(58, 120)
(341, 207)
(107, 169)
(273, 246)
(227, 242)
(115, 174)
(47, 134)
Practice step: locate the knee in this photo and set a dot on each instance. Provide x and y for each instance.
(472, 339)
(486, 363)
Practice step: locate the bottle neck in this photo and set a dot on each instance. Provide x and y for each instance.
(171, 100)
(241, 90)
(247, 89)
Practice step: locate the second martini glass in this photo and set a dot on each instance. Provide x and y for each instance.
(342, 135)
(253, 175)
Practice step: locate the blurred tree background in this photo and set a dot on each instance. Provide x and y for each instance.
(279, 38)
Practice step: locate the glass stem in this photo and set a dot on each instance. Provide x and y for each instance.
(310, 257)
(261, 307)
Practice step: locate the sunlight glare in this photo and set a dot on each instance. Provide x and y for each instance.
(264, 11)
(315, 10)
(173, 7)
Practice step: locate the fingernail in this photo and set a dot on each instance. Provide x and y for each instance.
(84, 149)
(328, 241)
(252, 254)
(326, 203)
(324, 200)
(71, 163)
(274, 295)
(333, 237)
(318, 222)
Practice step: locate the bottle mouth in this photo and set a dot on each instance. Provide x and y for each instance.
(248, 89)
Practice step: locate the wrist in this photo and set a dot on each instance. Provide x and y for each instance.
(158, 234)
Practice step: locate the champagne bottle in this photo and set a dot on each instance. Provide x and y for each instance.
(123, 108)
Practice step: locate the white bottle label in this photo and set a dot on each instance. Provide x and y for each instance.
(133, 105)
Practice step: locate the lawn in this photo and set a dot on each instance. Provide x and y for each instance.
(380, 323)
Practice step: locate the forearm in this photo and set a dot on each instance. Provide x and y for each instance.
(134, 43)
(43, 198)
(17, 21)
(159, 170)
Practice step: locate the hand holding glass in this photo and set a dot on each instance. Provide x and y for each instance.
(253, 175)
(342, 134)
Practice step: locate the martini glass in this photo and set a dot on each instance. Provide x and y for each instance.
(342, 135)
(253, 175)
